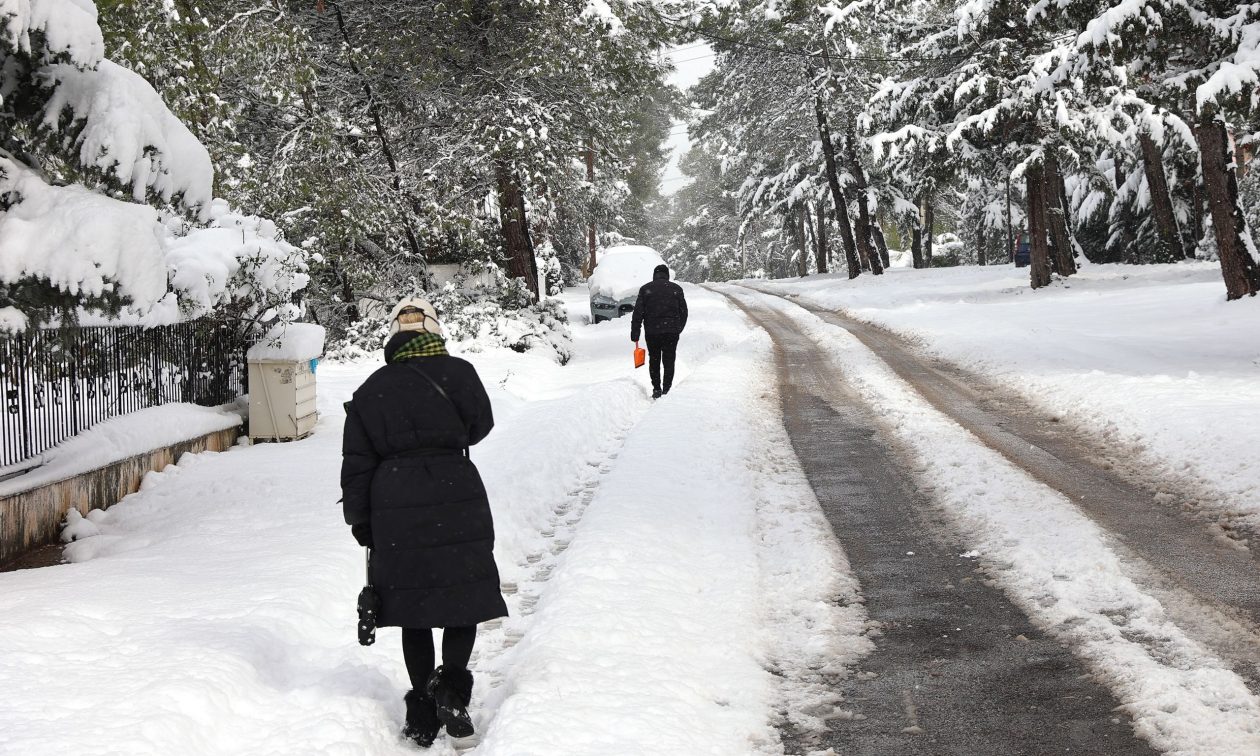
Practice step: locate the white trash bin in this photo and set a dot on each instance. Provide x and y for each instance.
(282, 382)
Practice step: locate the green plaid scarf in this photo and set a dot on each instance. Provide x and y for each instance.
(423, 345)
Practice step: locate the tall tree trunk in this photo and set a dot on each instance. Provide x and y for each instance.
(590, 228)
(1010, 224)
(881, 244)
(1064, 261)
(515, 225)
(1239, 268)
(927, 220)
(982, 254)
(378, 124)
(1161, 199)
(802, 243)
(820, 237)
(837, 195)
(866, 250)
(1039, 252)
(916, 243)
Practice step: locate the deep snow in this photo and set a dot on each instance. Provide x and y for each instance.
(214, 612)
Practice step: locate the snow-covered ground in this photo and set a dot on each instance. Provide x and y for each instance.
(1055, 563)
(214, 613)
(1152, 358)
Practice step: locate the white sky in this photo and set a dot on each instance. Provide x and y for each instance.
(691, 61)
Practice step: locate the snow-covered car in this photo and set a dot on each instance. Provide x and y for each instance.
(619, 274)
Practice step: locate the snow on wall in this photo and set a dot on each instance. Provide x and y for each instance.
(69, 28)
(129, 133)
(79, 241)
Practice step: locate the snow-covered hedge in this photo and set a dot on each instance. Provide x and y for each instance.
(485, 316)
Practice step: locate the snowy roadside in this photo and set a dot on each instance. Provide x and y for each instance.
(1149, 358)
(1056, 564)
(214, 614)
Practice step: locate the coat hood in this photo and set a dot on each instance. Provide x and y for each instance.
(660, 273)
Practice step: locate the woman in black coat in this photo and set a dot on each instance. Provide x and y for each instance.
(412, 495)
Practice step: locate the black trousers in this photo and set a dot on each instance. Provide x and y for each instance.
(417, 646)
(662, 346)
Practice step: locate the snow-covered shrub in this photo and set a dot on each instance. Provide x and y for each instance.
(485, 316)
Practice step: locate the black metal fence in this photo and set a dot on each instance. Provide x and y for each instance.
(55, 383)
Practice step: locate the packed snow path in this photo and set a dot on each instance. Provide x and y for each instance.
(1056, 564)
(958, 668)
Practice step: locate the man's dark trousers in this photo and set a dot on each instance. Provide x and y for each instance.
(664, 345)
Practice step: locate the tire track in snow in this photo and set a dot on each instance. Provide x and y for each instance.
(1053, 560)
(1205, 581)
(958, 668)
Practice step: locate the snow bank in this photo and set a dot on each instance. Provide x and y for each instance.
(1151, 358)
(121, 437)
(623, 270)
(127, 131)
(1062, 572)
(79, 241)
(69, 26)
(291, 342)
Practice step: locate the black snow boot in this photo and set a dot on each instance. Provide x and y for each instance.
(656, 393)
(451, 690)
(423, 724)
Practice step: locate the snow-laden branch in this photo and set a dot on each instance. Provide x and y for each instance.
(123, 128)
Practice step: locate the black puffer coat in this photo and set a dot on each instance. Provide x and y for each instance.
(404, 471)
(661, 308)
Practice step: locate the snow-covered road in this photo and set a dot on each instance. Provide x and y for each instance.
(214, 615)
(1050, 558)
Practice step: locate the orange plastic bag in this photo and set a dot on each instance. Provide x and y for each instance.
(640, 355)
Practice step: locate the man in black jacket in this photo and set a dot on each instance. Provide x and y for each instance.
(661, 311)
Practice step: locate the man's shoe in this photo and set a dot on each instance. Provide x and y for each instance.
(665, 391)
(656, 393)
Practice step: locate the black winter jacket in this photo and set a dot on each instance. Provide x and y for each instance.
(404, 470)
(660, 307)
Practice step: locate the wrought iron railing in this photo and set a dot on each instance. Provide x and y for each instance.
(55, 383)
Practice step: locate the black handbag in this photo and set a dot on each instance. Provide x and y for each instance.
(369, 608)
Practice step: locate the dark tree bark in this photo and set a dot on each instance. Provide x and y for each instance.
(516, 242)
(802, 243)
(982, 254)
(1010, 225)
(866, 250)
(837, 195)
(1161, 199)
(820, 239)
(1064, 261)
(881, 244)
(1039, 252)
(927, 221)
(1241, 273)
(916, 243)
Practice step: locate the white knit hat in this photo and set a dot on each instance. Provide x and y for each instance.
(428, 324)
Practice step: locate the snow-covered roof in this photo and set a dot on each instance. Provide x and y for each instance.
(620, 271)
(289, 342)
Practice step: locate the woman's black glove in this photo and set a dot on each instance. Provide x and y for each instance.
(363, 534)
